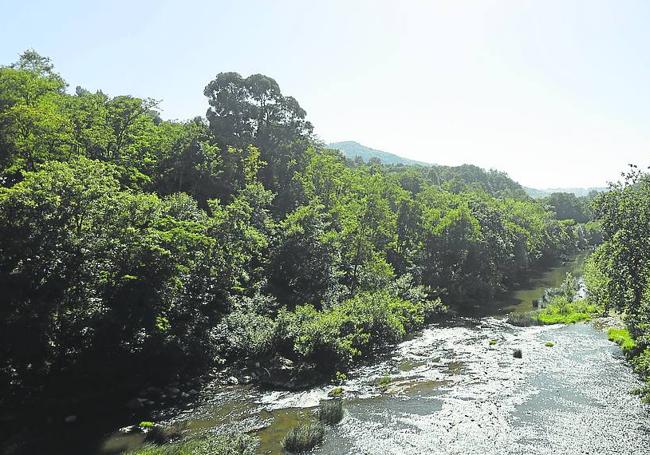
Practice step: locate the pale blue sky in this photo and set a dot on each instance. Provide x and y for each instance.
(556, 93)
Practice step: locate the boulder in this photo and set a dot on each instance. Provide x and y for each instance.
(282, 373)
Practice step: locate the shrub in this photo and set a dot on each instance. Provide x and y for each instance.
(247, 331)
(351, 329)
(492, 342)
(304, 437)
(330, 411)
(642, 363)
(549, 344)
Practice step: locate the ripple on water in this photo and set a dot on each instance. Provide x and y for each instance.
(571, 398)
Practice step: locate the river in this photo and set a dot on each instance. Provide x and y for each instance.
(456, 388)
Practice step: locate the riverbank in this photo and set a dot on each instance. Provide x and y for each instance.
(433, 362)
(450, 389)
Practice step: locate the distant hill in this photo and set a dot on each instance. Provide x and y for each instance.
(536, 193)
(351, 150)
(466, 173)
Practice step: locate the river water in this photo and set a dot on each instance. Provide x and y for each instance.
(456, 388)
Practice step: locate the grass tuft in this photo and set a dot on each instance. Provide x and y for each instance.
(562, 311)
(384, 381)
(558, 311)
(335, 392)
(330, 411)
(623, 338)
(304, 437)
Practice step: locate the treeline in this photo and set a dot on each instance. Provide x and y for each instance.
(134, 248)
(618, 272)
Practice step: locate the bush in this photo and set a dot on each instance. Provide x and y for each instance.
(354, 327)
(304, 437)
(247, 331)
(330, 411)
(241, 444)
(549, 344)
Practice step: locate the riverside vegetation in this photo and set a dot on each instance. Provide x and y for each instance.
(135, 251)
(618, 272)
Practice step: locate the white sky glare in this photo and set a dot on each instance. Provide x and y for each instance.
(555, 93)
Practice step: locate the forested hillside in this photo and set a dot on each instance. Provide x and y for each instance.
(134, 249)
(353, 150)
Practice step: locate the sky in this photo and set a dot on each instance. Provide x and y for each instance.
(554, 92)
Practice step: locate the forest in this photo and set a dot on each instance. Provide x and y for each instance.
(136, 250)
(150, 247)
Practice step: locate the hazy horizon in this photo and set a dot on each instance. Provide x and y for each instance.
(553, 93)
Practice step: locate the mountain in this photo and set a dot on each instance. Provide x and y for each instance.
(351, 150)
(537, 193)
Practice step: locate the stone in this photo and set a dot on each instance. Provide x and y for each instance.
(128, 429)
(70, 419)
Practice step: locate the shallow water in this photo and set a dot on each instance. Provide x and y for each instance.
(569, 398)
(453, 390)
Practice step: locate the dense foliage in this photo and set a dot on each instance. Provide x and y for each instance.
(134, 248)
(618, 272)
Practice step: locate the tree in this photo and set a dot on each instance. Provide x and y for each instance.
(253, 110)
(305, 261)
